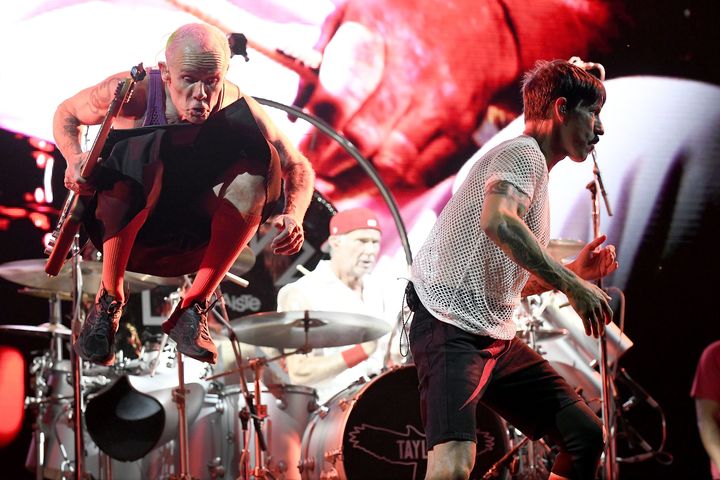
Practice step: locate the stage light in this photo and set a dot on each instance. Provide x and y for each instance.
(40, 220)
(41, 144)
(39, 195)
(41, 158)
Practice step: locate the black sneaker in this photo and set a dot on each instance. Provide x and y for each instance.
(97, 337)
(188, 327)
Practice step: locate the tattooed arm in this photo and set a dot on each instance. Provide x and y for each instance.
(501, 220)
(299, 179)
(88, 107)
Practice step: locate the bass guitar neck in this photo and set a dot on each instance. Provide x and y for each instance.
(72, 212)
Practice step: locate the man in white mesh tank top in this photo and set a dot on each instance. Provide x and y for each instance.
(486, 251)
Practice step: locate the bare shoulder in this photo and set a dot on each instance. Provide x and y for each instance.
(137, 104)
(262, 118)
(90, 105)
(231, 93)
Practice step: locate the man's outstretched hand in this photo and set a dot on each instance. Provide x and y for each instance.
(290, 235)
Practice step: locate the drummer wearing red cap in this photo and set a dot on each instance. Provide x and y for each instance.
(344, 283)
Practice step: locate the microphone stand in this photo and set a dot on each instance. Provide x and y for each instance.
(609, 465)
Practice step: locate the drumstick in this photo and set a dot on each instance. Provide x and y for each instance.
(237, 280)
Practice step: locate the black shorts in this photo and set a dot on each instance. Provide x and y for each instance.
(173, 170)
(457, 369)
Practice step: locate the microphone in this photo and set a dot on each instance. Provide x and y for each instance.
(596, 172)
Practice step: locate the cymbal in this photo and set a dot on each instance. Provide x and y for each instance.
(324, 329)
(43, 330)
(244, 262)
(542, 334)
(561, 248)
(31, 273)
(43, 293)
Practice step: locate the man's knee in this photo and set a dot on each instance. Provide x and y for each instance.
(245, 192)
(450, 472)
(591, 434)
(452, 460)
(580, 436)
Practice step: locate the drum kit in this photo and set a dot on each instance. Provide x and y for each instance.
(164, 416)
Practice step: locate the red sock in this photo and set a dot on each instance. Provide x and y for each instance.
(116, 253)
(231, 230)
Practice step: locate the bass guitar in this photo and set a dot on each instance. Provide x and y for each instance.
(71, 214)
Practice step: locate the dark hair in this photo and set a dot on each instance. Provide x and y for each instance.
(550, 80)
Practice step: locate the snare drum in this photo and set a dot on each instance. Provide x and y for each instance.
(372, 429)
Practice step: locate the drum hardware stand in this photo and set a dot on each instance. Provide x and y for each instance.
(156, 361)
(609, 465)
(534, 323)
(56, 346)
(179, 399)
(174, 298)
(75, 360)
(253, 407)
(38, 403)
(494, 471)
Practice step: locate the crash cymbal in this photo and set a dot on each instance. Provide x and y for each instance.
(31, 273)
(324, 329)
(562, 248)
(542, 334)
(43, 293)
(44, 330)
(244, 262)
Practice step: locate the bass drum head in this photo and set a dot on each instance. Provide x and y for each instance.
(384, 438)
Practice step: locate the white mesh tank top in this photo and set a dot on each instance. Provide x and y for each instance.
(461, 276)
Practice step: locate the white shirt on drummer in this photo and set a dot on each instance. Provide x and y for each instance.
(321, 290)
(461, 276)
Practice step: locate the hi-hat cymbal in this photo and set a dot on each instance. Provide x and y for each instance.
(31, 273)
(43, 330)
(542, 334)
(324, 329)
(561, 248)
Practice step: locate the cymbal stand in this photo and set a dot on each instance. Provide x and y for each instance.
(255, 362)
(179, 399)
(76, 361)
(609, 465)
(534, 323)
(56, 342)
(252, 406)
(38, 403)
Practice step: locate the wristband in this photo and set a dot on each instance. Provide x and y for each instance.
(354, 355)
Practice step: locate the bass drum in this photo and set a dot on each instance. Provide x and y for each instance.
(372, 429)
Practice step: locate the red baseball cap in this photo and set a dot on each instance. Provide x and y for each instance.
(352, 219)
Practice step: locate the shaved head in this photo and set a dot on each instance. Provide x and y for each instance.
(198, 38)
(197, 59)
